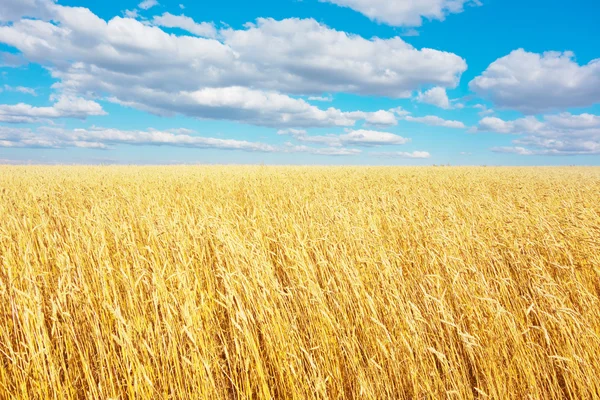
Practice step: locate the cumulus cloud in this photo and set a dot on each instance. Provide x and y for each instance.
(101, 138)
(403, 12)
(315, 58)
(559, 134)
(381, 117)
(364, 137)
(514, 150)
(11, 60)
(140, 65)
(327, 151)
(168, 20)
(360, 137)
(147, 4)
(131, 13)
(293, 132)
(11, 10)
(403, 154)
(328, 98)
(434, 120)
(257, 107)
(296, 56)
(535, 83)
(400, 112)
(20, 89)
(484, 110)
(64, 107)
(435, 96)
(105, 138)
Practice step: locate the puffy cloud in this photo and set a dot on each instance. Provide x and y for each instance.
(327, 151)
(534, 83)
(371, 138)
(436, 96)
(360, 137)
(381, 117)
(11, 10)
(292, 56)
(131, 13)
(11, 60)
(403, 154)
(263, 108)
(105, 138)
(399, 111)
(168, 20)
(403, 12)
(484, 110)
(434, 120)
(293, 132)
(20, 89)
(102, 138)
(144, 67)
(570, 121)
(327, 98)
(514, 150)
(306, 56)
(147, 4)
(521, 125)
(560, 134)
(64, 107)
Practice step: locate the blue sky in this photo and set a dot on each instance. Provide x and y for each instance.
(375, 82)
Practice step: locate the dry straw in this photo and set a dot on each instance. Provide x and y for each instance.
(297, 283)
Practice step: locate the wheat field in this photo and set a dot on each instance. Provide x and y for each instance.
(217, 282)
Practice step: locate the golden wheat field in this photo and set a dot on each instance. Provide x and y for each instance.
(299, 282)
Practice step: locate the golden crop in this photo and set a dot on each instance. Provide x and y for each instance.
(296, 283)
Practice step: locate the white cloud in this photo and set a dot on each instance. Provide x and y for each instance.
(101, 138)
(326, 151)
(559, 134)
(105, 138)
(11, 60)
(570, 121)
(364, 137)
(240, 77)
(404, 12)
(168, 20)
(147, 4)
(131, 13)
(182, 6)
(403, 154)
(64, 107)
(11, 10)
(484, 110)
(436, 96)
(521, 125)
(293, 132)
(20, 89)
(410, 33)
(534, 83)
(314, 58)
(293, 56)
(360, 137)
(400, 112)
(328, 98)
(256, 107)
(434, 120)
(379, 118)
(515, 150)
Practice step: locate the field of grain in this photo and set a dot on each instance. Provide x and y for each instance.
(295, 283)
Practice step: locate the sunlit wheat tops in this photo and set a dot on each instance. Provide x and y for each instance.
(296, 283)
